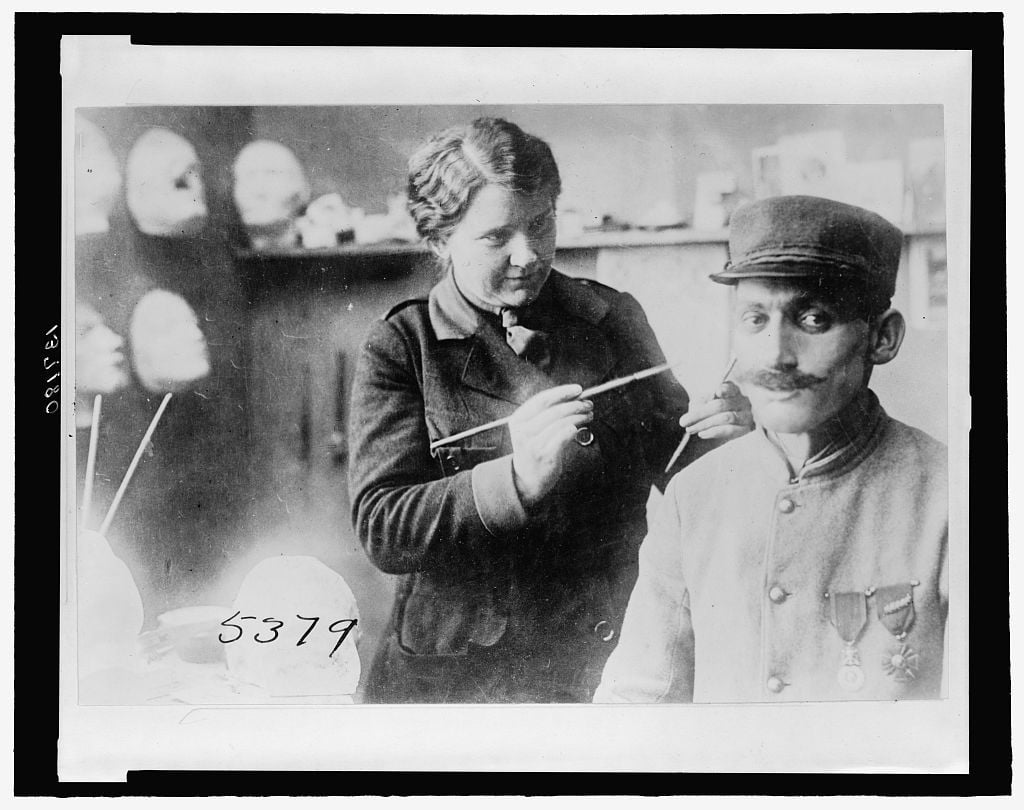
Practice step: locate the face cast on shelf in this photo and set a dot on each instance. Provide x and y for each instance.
(270, 191)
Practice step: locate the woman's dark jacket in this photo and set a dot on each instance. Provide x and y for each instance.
(495, 604)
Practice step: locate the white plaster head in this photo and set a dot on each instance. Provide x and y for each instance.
(97, 178)
(99, 361)
(283, 587)
(165, 191)
(270, 189)
(110, 610)
(168, 347)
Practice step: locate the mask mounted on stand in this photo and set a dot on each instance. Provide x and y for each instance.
(168, 347)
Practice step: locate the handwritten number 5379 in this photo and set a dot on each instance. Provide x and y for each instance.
(265, 635)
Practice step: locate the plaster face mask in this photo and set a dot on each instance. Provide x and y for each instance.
(97, 178)
(168, 346)
(165, 191)
(270, 190)
(99, 361)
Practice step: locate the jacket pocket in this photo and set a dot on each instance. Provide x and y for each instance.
(447, 617)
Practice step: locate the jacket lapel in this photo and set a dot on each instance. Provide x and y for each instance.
(581, 351)
(582, 355)
(494, 369)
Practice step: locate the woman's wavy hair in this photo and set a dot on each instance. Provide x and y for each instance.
(450, 167)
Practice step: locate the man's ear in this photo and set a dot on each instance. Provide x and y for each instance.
(886, 336)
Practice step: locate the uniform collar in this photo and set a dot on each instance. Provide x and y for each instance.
(853, 433)
(454, 317)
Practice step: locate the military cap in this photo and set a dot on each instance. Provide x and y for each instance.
(799, 236)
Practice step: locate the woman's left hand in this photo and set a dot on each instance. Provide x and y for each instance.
(723, 415)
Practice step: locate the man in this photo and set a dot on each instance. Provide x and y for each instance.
(806, 560)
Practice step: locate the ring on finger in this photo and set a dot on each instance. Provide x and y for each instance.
(584, 437)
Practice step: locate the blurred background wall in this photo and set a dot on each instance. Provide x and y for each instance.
(182, 517)
(250, 461)
(619, 160)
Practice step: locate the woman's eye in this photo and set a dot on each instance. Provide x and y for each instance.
(541, 224)
(494, 238)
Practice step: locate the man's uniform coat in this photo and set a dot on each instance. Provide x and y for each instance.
(734, 598)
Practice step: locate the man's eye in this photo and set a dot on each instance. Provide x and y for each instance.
(753, 320)
(815, 320)
(494, 238)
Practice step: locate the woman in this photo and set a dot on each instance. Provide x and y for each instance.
(517, 548)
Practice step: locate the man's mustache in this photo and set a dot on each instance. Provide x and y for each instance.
(782, 380)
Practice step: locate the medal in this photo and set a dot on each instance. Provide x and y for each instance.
(849, 616)
(896, 612)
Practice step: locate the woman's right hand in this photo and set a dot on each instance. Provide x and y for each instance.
(543, 431)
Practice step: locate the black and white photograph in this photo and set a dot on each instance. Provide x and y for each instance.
(415, 399)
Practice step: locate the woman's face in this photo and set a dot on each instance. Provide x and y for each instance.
(501, 250)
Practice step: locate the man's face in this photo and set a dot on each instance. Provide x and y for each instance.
(800, 360)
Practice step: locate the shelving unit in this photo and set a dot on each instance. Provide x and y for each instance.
(594, 240)
(349, 250)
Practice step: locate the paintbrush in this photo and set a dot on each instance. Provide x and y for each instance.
(585, 394)
(688, 436)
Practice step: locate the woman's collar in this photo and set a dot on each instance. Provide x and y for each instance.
(454, 317)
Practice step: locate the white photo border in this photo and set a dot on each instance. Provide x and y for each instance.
(102, 743)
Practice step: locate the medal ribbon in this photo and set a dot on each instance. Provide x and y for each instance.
(849, 614)
(896, 607)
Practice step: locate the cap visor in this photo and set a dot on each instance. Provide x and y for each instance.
(796, 270)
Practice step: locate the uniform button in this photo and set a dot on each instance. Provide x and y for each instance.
(777, 595)
(604, 630)
(775, 684)
(786, 505)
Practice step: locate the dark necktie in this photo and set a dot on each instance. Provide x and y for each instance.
(530, 344)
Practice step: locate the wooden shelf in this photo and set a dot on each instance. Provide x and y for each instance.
(588, 241)
(341, 251)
